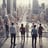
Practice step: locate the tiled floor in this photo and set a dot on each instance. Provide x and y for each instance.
(26, 44)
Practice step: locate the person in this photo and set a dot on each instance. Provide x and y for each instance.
(27, 29)
(13, 33)
(34, 35)
(6, 23)
(40, 30)
(1, 24)
(7, 30)
(22, 30)
(17, 29)
(5, 19)
(32, 25)
(1, 27)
